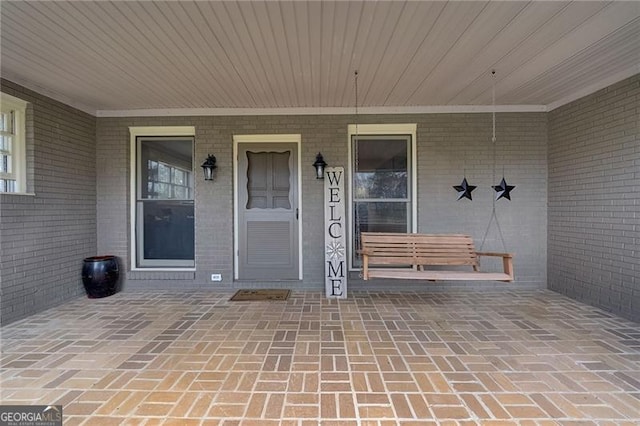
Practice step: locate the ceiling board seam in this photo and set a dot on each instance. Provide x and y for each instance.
(30, 85)
(30, 63)
(545, 50)
(361, 66)
(284, 57)
(201, 67)
(453, 45)
(332, 74)
(384, 52)
(226, 53)
(606, 82)
(414, 55)
(22, 29)
(352, 68)
(137, 24)
(224, 72)
(310, 50)
(482, 75)
(142, 28)
(124, 71)
(271, 76)
(577, 57)
(304, 65)
(321, 50)
(131, 53)
(221, 88)
(296, 94)
(176, 54)
(248, 67)
(485, 93)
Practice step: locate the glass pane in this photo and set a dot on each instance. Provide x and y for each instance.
(181, 192)
(179, 177)
(5, 164)
(381, 167)
(257, 188)
(5, 143)
(164, 173)
(6, 122)
(379, 217)
(168, 228)
(167, 169)
(162, 190)
(7, 185)
(281, 180)
(268, 180)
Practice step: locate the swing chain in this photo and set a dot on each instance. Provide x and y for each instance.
(355, 142)
(493, 217)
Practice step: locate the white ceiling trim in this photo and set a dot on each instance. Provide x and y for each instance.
(181, 112)
(458, 109)
(199, 112)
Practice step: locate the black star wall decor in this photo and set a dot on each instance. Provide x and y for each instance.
(503, 190)
(464, 189)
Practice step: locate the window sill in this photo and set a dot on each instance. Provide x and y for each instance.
(26, 194)
(164, 274)
(163, 269)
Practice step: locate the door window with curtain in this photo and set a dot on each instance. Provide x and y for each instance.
(381, 185)
(165, 227)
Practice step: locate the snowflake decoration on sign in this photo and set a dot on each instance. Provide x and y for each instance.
(335, 249)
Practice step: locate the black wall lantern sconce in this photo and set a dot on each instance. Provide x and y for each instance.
(319, 165)
(208, 167)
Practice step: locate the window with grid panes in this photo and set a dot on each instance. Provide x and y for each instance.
(165, 228)
(382, 186)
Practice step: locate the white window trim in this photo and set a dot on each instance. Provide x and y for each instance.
(19, 149)
(383, 129)
(272, 138)
(135, 132)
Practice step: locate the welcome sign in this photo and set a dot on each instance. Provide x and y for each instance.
(334, 234)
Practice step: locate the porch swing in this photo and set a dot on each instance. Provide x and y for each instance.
(407, 256)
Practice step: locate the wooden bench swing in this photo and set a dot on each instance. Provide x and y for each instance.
(424, 250)
(415, 255)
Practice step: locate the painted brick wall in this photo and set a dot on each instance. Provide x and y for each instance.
(447, 145)
(594, 199)
(592, 161)
(45, 236)
(451, 144)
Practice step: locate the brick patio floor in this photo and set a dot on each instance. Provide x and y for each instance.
(377, 358)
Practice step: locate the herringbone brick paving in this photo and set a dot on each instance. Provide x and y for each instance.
(377, 358)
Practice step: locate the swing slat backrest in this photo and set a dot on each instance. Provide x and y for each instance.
(420, 249)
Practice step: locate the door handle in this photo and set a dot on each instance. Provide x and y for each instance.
(297, 214)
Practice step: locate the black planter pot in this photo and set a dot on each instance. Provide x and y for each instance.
(100, 276)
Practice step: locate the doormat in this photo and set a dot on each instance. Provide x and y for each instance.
(261, 294)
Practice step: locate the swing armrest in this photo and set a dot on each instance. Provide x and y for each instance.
(491, 253)
(507, 260)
